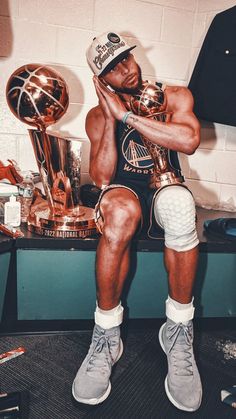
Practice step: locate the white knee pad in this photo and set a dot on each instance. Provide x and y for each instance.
(175, 212)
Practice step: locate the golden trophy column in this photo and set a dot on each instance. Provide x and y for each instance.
(38, 96)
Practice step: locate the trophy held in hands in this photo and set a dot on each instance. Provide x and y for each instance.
(37, 95)
(150, 102)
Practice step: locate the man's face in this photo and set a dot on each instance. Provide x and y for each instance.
(125, 77)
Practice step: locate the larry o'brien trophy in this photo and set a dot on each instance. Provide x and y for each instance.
(38, 96)
(150, 102)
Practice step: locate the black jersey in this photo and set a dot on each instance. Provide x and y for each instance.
(135, 164)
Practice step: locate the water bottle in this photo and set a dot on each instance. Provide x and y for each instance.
(26, 192)
(12, 212)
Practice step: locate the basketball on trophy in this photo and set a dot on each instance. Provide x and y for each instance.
(149, 100)
(37, 95)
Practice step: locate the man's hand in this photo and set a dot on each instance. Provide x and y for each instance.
(110, 102)
(102, 101)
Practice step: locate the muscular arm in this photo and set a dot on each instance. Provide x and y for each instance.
(181, 133)
(103, 154)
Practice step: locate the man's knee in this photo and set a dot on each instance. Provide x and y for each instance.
(175, 212)
(121, 219)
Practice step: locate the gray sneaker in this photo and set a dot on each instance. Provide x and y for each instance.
(92, 382)
(182, 384)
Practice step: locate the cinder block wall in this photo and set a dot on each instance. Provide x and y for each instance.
(168, 35)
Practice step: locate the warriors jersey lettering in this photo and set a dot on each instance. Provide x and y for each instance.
(134, 161)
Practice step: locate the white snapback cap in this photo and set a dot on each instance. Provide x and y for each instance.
(106, 51)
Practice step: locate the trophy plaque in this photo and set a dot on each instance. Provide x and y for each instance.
(38, 96)
(150, 101)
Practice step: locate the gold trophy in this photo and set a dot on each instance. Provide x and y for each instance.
(150, 102)
(38, 96)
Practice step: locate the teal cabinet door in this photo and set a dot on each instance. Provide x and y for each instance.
(59, 284)
(4, 268)
(55, 284)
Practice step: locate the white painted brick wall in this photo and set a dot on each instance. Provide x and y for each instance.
(132, 18)
(69, 13)
(177, 4)
(214, 5)
(206, 194)
(181, 22)
(71, 46)
(168, 35)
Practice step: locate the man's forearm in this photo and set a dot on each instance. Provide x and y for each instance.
(174, 136)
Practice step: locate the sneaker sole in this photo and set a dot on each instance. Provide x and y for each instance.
(160, 338)
(172, 400)
(101, 399)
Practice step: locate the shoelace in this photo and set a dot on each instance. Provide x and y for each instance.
(182, 353)
(101, 358)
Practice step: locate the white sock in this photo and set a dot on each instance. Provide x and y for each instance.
(109, 318)
(178, 312)
(108, 312)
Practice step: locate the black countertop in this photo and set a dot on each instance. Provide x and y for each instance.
(6, 243)
(207, 242)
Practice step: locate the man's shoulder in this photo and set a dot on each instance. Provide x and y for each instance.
(177, 90)
(178, 96)
(95, 114)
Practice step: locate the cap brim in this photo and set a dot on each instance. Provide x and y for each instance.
(116, 60)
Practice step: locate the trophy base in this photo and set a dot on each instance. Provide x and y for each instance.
(78, 222)
(168, 178)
